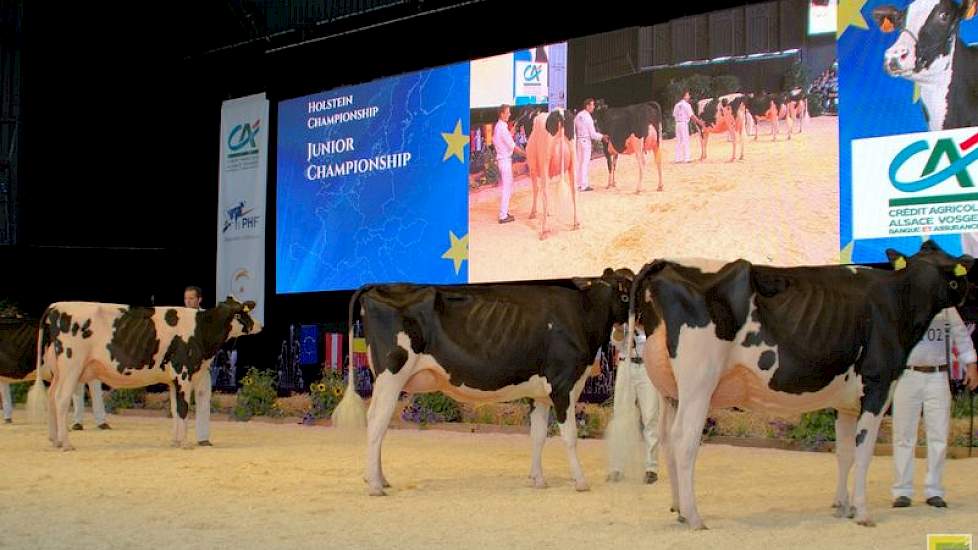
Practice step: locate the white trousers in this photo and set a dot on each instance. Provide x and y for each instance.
(648, 405)
(583, 163)
(682, 142)
(98, 406)
(202, 404)
(916, 391)
(8, 402)
(506, 179)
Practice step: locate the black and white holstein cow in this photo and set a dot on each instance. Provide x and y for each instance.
(929, 51)
(485, 344)
(18, 344)
(786, 340)
(550, 152)
(631, 130)
(132, 347)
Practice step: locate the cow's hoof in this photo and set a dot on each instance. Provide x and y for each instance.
(385, 484)
(539, 483)
(205, 443)
(659, 188)
(614, 477)
(680, 519)
(67, 447)
(577, 225)
(852, 512)
(532, 216)
(581, 486)
(866, 522)
(175, 444)
(701, 527)
(377, 492)
(638, 191)
(840, 511)
(544, 235)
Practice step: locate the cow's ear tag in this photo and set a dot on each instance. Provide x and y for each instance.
(886, 25)
(960, 270)
(900, 263)
(246, 309)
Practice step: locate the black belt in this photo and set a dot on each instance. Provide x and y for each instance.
(929, 369)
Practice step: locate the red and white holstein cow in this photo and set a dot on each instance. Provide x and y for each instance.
(550, 153)
(131, 347)
(631, 130)
(787, 340)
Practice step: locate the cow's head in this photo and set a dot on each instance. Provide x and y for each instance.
(932, 266)
(561, 119)
(242, 323)
(926, 31)
(611, 288)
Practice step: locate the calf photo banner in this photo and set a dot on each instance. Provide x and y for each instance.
(906, 150)
(241, 201)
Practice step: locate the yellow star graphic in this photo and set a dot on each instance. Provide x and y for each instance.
(845, 255)
(850, 14)
(916, 92)
(459, 251)
(455, 142)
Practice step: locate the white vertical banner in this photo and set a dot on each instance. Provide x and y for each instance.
(241, 201)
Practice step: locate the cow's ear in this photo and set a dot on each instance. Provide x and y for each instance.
(888, 17)
(608, 272)
(897, 260)
(582, 283)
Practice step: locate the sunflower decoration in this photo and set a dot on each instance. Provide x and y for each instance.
(321, 387)
(337, 391)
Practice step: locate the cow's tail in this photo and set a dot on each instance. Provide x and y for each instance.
(37, 396)
(351, 413)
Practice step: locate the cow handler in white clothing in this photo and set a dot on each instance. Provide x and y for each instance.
(98, 405)
(924, 386)
(503, 142)
(648, 404)
(683, 113)
(585, 134)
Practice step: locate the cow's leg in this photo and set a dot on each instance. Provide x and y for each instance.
(867, 429)
(202, 405)
(667, 417)
(640, 157)
(658, 165)
(62, 403)
(568, 429)
(544, 185)
(845, 448)
(533, 182)
(52, 412)
(612, 166)
(180, 407)
(538, 436)
(387, 388)
(696, 385)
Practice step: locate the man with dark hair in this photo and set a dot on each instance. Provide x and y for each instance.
(192, 296)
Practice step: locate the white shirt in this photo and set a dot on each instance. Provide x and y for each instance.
(682, 112)
(639, 343)
(932, 349)
(584, 127)
(502, 141)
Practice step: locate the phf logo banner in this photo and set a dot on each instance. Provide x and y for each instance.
(918, 184)
(949, 542)
(241, 201)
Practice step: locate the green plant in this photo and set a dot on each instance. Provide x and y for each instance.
(815, 100)
(724, 84)
(18, 391)
(814, 428)
(326, 394)
(256, 396)
(795, 77)
(429, 408)
(122, 398)
(959, 405)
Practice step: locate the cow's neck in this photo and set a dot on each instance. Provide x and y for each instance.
(598, 318)
(917, 310)
(934, 91)
(962, 97)
(213, 328)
